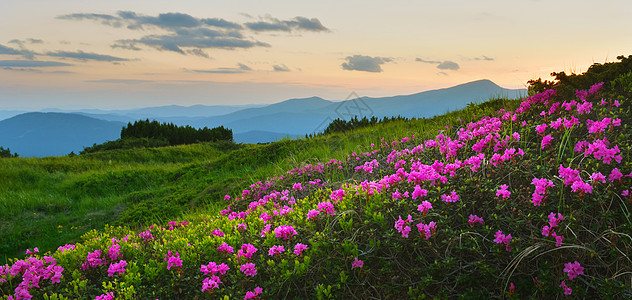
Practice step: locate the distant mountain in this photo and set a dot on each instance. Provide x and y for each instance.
(311, 115)
(40, 134)
(54, 134)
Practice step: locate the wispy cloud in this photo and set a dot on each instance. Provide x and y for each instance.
(241, 68)
(121, 81)
(484, 58)
(32, 63)
(296, 24)
(365, 63)
(84, 56)
(280, 68)
(21, 52)
(190, 35)
(441, 65)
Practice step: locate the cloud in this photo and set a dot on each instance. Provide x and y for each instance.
(84, 56)
(31, 63)
(198, 52)
(12, 51)
(280, 68)
(427, 61)
(241, 68)
(121, 81)
(185, 31)
(104, 19)
(448, 65)
(441, 65)
(484, 58)
(443, 73)
(365, 63)
(296, 24)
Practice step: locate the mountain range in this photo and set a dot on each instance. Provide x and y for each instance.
(59, 133)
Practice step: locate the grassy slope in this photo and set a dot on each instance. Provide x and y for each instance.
(456, 259)
(48, 202)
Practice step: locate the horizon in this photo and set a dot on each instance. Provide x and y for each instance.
(122, 55)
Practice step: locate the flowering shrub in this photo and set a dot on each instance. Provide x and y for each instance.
(541, 170)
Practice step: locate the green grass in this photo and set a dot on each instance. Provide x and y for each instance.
(48, 202)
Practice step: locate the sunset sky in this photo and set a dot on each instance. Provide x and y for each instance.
(125, 54)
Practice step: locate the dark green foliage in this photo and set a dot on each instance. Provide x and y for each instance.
(152, 134)
(175, 135)
(566, 85)
(339, 125)
(7, 153)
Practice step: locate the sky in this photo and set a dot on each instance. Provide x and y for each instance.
(119, 54)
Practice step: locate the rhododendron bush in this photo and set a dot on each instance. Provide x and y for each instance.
(532, 201)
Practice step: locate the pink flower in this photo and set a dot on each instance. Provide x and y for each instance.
(93, 260)
(225, 248)
(173, 260)
(475, 219)
(253, 295)
(327, 207)
(419, 192)
(249, 269)
(357, 264)
(424, 207)
(453, 197)
(214, 268)
(427, 229)
(117, 268)
(596, 177)
(573, 270)
(247, 250)
(558, 239)
(567, 290)
(500, 238)
(615, 174)
(276, 249)
(285, 232)
(541, 128)
(503, 192)
(312, 214)
(401, 226)
(297, 186)
(211, 283)
(106, 296)
(114, 252)
(299, 248)
(546, 141)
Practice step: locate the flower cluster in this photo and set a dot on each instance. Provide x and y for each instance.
(500, 238)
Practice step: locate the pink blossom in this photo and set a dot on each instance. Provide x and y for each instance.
(424, 207)
(401, 226)
(595, 88)
(312, 214)
(253, 295)
(297, 186)
(475, 219)
(573, 270)
(453, 197)
(546, 141)
(214, 268)
(567, 290)
(327, 207)
(173, 260)
(276, 249)
(596, 177)
(93, 260)
(615, 174)
(500, 238)
(285, 232)
(541, 128)
(558, 239)
(225, 248)
(249, 269)
(211, 283)
(299, 248)
(427, 229)
(419, 192)
(247, 250)
(357, 264)
(106, 296)
(114, 252)
(117, 268)
(503, 192)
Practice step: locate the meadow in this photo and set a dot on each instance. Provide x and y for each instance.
(525, 198)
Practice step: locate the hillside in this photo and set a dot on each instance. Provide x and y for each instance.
(505, 199)
(49, 134)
